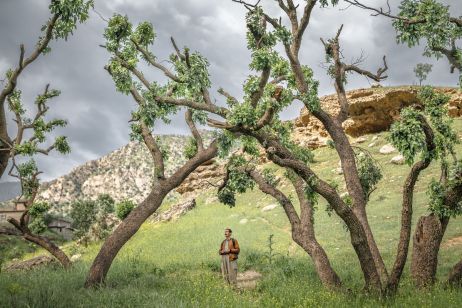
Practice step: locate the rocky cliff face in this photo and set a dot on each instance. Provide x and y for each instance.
(371, 110)
(209, 175)
(125, 173)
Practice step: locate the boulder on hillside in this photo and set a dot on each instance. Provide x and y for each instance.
(30, 264)
(397, 160)
(248, 279)
(76, 257)
(387, 149)
(269, 207)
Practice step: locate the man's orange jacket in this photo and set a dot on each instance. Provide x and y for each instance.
(233, 247)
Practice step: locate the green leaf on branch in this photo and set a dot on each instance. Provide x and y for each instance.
(407, 135)
(62, 146)
(70, 12)
(190, 149)
(144, 34)
(14, 103)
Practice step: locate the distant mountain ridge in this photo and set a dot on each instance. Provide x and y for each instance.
(126, 173)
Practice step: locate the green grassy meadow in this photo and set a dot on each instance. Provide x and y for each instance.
(176, 264)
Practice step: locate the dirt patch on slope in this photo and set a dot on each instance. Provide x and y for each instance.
(248, 279)
(452, 242)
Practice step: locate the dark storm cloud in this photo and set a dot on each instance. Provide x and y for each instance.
(98, 115)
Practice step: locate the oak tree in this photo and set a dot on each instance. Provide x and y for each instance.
(188, 86)
(30, 135)
(431, 21)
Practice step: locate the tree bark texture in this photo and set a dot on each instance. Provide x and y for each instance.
(42, 241)
(302, 228)
(122, 234)
(51, 248)
(282, 157)
(427, 240)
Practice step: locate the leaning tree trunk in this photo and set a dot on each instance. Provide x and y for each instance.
(379, 263)
(51, 248)
(282, 157)
(43, 242)
(130, 225)
(326, 273)
(427, 240)
(126, 229)
(304, 235)
(353, 184)
(302, 227)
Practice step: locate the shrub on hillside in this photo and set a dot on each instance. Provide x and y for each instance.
(93, 219)
(124, 208)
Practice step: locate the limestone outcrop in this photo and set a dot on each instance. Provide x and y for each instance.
(30, 264)
(208, 175)
(371, 110)
(175, 211)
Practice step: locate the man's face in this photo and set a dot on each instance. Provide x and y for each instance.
(227, 233)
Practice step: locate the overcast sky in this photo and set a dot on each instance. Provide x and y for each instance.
(98, 115)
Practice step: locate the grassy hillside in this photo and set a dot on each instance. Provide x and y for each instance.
(176, 264)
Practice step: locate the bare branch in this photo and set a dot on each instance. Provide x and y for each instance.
(377, 77)
(271, 190)
(149, 140)
(41, 45)
(6, 142)
(21, 56)
(278, 79)
(194, 131)
(247, 5)
(16, 224)
(332, 48)
(181, 56)
(304, 21)
(387, 13)
(228, 96)
(47, 150)
(151, 60)
(219, 124)
(257, 95)
(283, 6)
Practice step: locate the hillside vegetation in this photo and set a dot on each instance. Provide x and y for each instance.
(176, 264)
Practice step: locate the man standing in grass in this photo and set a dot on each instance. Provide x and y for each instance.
(229, 250)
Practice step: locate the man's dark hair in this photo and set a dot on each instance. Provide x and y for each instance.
(230, 231)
